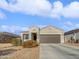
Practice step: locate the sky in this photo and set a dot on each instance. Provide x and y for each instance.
(19, 15)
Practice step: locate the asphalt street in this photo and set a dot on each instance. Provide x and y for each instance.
(57, 51)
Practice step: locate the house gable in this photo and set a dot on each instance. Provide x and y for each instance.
(50, 29)
(34, 29)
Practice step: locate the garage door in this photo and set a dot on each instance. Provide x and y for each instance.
(45, 38)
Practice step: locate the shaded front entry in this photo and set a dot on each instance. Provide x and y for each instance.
(34, 36)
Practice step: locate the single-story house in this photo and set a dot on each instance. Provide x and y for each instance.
(48, 34)
(72, 35)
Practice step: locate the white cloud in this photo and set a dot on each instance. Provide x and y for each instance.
(2, 15)
(42, 8)
(13, 28)
(71, 10)
(41, 26)
(77, 25)
(70, 25)
(57, 9)
(33, 7)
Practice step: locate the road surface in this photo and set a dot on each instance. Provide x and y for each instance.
(57, 51)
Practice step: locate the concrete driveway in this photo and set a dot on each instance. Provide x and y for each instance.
(58, 51)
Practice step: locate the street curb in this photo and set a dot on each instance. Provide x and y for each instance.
(64, 45)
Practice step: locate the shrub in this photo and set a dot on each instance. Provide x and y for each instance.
(30, 44)
(16, 42)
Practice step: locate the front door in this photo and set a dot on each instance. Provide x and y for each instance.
(34, 36)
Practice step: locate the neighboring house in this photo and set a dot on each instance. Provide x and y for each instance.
(48, 34)
(72, 36)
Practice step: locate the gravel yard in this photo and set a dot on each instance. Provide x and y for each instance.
(13, 52)
(5, 45)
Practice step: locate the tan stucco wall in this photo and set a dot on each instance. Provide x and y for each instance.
(34, 30)
(53, 30)
(50, 30)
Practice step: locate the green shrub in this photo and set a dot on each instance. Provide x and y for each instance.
(16, 42)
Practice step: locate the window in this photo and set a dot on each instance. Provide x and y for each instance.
(25, 36)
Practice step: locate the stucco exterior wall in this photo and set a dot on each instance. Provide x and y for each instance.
(77, 36)
(46, 30)
(68, 37)
(34, 30)
(53, 30)
(50, 30)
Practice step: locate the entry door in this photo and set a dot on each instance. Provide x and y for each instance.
(34, 36)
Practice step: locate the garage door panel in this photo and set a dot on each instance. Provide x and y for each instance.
(49, 38)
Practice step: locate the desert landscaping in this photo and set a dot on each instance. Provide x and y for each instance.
(8, 51)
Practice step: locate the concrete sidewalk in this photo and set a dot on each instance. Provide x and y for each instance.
(70, 46)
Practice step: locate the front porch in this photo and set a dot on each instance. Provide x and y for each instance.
(32, 34)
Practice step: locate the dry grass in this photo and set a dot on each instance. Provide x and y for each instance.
(20, 53)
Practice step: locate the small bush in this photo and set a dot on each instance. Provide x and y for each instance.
(30, 44)
(16, 42)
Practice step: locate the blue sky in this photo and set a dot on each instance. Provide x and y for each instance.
(18, 15)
